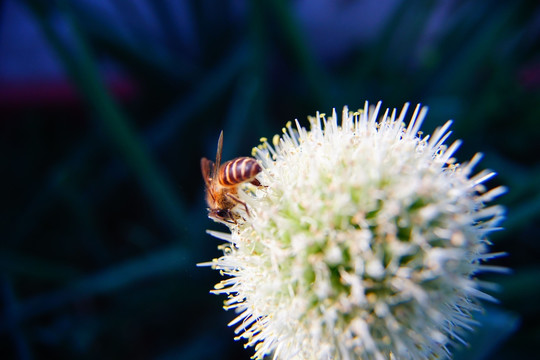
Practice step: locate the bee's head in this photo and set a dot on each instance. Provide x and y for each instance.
(222, 215)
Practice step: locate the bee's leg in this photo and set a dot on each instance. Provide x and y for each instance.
(230, 219)
(257, 183)
(221, 219)
(237, 200)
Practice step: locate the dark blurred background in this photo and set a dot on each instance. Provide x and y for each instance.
(106, 108)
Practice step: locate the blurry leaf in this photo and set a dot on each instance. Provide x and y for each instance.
(155, 264)
(196, 348)
(83, 70)
(316, 76)
(495, 327)
(521, 290)
(523, 214)
(207, 89)
(18, 264)
(10, 309)
(475, 49)
(135, 55)
(237, 121)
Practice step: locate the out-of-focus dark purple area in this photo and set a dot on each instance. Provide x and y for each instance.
(106, 108)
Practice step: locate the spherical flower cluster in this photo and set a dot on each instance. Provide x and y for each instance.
(362, 241)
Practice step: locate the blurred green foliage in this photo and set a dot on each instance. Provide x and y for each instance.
(103, 215)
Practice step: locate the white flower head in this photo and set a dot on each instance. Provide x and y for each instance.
(362, 241)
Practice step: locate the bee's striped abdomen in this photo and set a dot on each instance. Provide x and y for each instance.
(239, 170)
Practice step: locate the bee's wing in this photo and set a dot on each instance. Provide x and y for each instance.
(207, 170)
(218, 153)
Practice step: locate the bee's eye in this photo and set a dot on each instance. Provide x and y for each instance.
(223, 213)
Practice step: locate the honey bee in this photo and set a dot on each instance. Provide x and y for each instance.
(222, 183)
